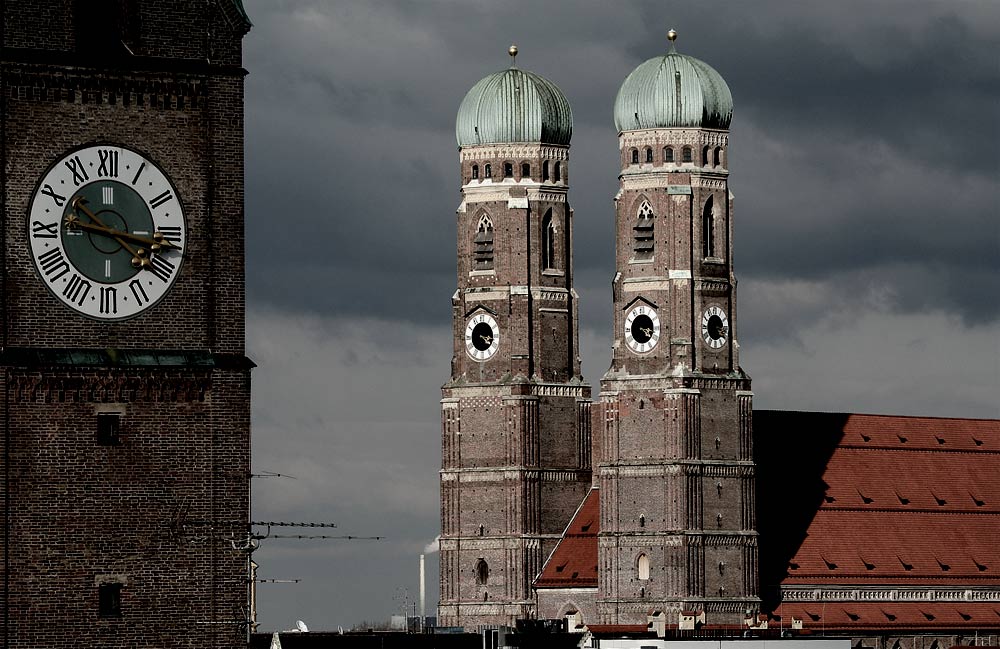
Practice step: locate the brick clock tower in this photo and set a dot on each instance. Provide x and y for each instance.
(515, 414)
(676, 469)
(126, 392)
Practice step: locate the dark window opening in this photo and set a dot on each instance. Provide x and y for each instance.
(109, 429)
(649, 154)
(708, 230)
(483, 253)
(508, 170)
(545, 170)
(635, 156)
(482, 571)
(668, 154)
(488, 171)
(475, 172)
(642, 521)
(704, 156)
(525, 170)
(717, 157)
(109, 600)
(643, 233)
(686, 154)
(548, 242)
(106, 28)
(558, 175)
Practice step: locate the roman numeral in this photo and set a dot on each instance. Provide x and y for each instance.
(161, 267)
(171, 233)
(109, 163)
(53, 265)
(108, 193)
(77, 289)
(161, 199)
(138, 292)
(79, 172)
(109, 299)
(138, 173)
(41, 230)
(48, 191)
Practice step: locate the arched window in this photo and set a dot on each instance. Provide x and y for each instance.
(649, 154)
(635, 156)
(525, 171)
(488, 171)
(482, 530)
(708, 229)
(668, 154)
(642, 567)
(686, 154)
(642, 520)
(643, 232)
(717, 157)
(704, 156)
(548, 241)
(484, 244)
(482, 571)
(475, 172)
(508, 170)
(558, 175)
(545, 170)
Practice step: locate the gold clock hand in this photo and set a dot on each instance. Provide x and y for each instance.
(139, 258)
(154, 244)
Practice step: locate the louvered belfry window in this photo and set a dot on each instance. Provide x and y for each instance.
(484, 244)
(644, 232)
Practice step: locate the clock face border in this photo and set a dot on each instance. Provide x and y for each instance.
(714, 320)
(636, 319)
(131, 173)
(478, 348)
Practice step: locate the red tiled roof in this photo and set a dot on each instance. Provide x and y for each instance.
(616, 629)
(573, 563)
(876, 615)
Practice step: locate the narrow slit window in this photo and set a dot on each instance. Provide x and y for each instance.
(649, 154)
(708, 229)
(488, 171)
(705, 155)
(475, 172)
(484, 244)
(717, 157)
(482, 571)
(635, 156)
(642, 567)
(643, 232)
(548, 242)
(525, 171)
(545, 170)
(558, 176)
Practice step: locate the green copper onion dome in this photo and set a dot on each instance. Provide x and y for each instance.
(674, 90)
(514, 105)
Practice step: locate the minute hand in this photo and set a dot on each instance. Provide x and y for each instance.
(128, 236)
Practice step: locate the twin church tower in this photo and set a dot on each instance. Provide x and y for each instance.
(665, 453)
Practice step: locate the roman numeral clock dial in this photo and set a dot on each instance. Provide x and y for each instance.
(642, 329)
(714, 327)
(107, 232)
(482, 337)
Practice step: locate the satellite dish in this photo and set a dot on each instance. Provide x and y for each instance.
(301, 626)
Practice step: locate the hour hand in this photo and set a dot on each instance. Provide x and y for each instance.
(156, 243)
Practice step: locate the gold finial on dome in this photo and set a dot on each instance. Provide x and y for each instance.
(512, 50)
(671, 36)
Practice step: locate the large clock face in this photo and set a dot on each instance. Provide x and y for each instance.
(107, 231)
(715, 327)
(642, 329)
(482, 337)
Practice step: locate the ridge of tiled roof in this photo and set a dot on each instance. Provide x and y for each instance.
(573, 562)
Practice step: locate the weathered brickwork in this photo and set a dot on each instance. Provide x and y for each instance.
(159, 511)
(675, 468)
(516, 458)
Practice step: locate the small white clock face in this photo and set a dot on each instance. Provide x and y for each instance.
(106, 231)
(642, 329)
(482, 337)
(715, 327)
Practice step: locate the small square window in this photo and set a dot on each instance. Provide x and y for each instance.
(109, 600)
(109, 429)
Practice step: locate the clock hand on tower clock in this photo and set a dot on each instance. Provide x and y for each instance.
(139, 258)
(487, 339)
(156, 243)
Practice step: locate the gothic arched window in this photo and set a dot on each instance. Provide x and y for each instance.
(488, 171)
(482, 571)
(649, 154)
(643, 232)
(717, 157)
(483, 253)
(686, 154)
(668, 154)
(708, 230)
(525, 171)
(704, 156)
(635, 156)
(642, 567)
(548, 242)
(508, 170)
(475, 172)
(558, 173)
(545, 170)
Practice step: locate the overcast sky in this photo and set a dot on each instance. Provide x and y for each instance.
(863, 160)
